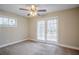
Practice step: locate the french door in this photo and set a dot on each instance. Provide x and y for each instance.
(51, 30)
(47, 30)
(41, 30)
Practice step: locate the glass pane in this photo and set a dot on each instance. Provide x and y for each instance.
(12, 22)
(52, 30)
(5, 21)
(54, 21)
(41, 30)
(1, 20)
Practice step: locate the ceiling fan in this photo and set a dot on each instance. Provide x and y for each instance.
(33, 10)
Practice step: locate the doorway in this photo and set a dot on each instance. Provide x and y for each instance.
(47, 30)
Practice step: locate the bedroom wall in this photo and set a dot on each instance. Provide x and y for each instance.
(68, 26)
(13, 34)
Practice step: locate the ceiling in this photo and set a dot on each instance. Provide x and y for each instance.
(14, 8)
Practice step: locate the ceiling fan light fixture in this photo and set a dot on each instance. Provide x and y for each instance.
(33, 8)
(33, 13)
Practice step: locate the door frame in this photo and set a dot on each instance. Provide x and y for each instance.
(46, 19)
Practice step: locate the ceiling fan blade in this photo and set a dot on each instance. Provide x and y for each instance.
(42, 10)
(38, 14)
(28, 14)
(23, 9)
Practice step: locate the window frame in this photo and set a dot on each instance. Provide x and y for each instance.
(4, 24)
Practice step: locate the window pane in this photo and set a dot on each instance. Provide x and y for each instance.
(41, 30)
(52, 30)
(5, 21)
(12, 22)
(1, 20)
(54, 20)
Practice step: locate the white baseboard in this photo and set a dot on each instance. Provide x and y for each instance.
(11, 43)
(67, 46)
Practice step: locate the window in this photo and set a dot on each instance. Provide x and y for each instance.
(1, 21)
(12, 22)
(7, 22)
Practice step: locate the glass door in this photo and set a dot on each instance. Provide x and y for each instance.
(41, 30)
(52, 30)
(47, 30)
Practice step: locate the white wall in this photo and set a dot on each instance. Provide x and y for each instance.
(13, 34)
(68, 26)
